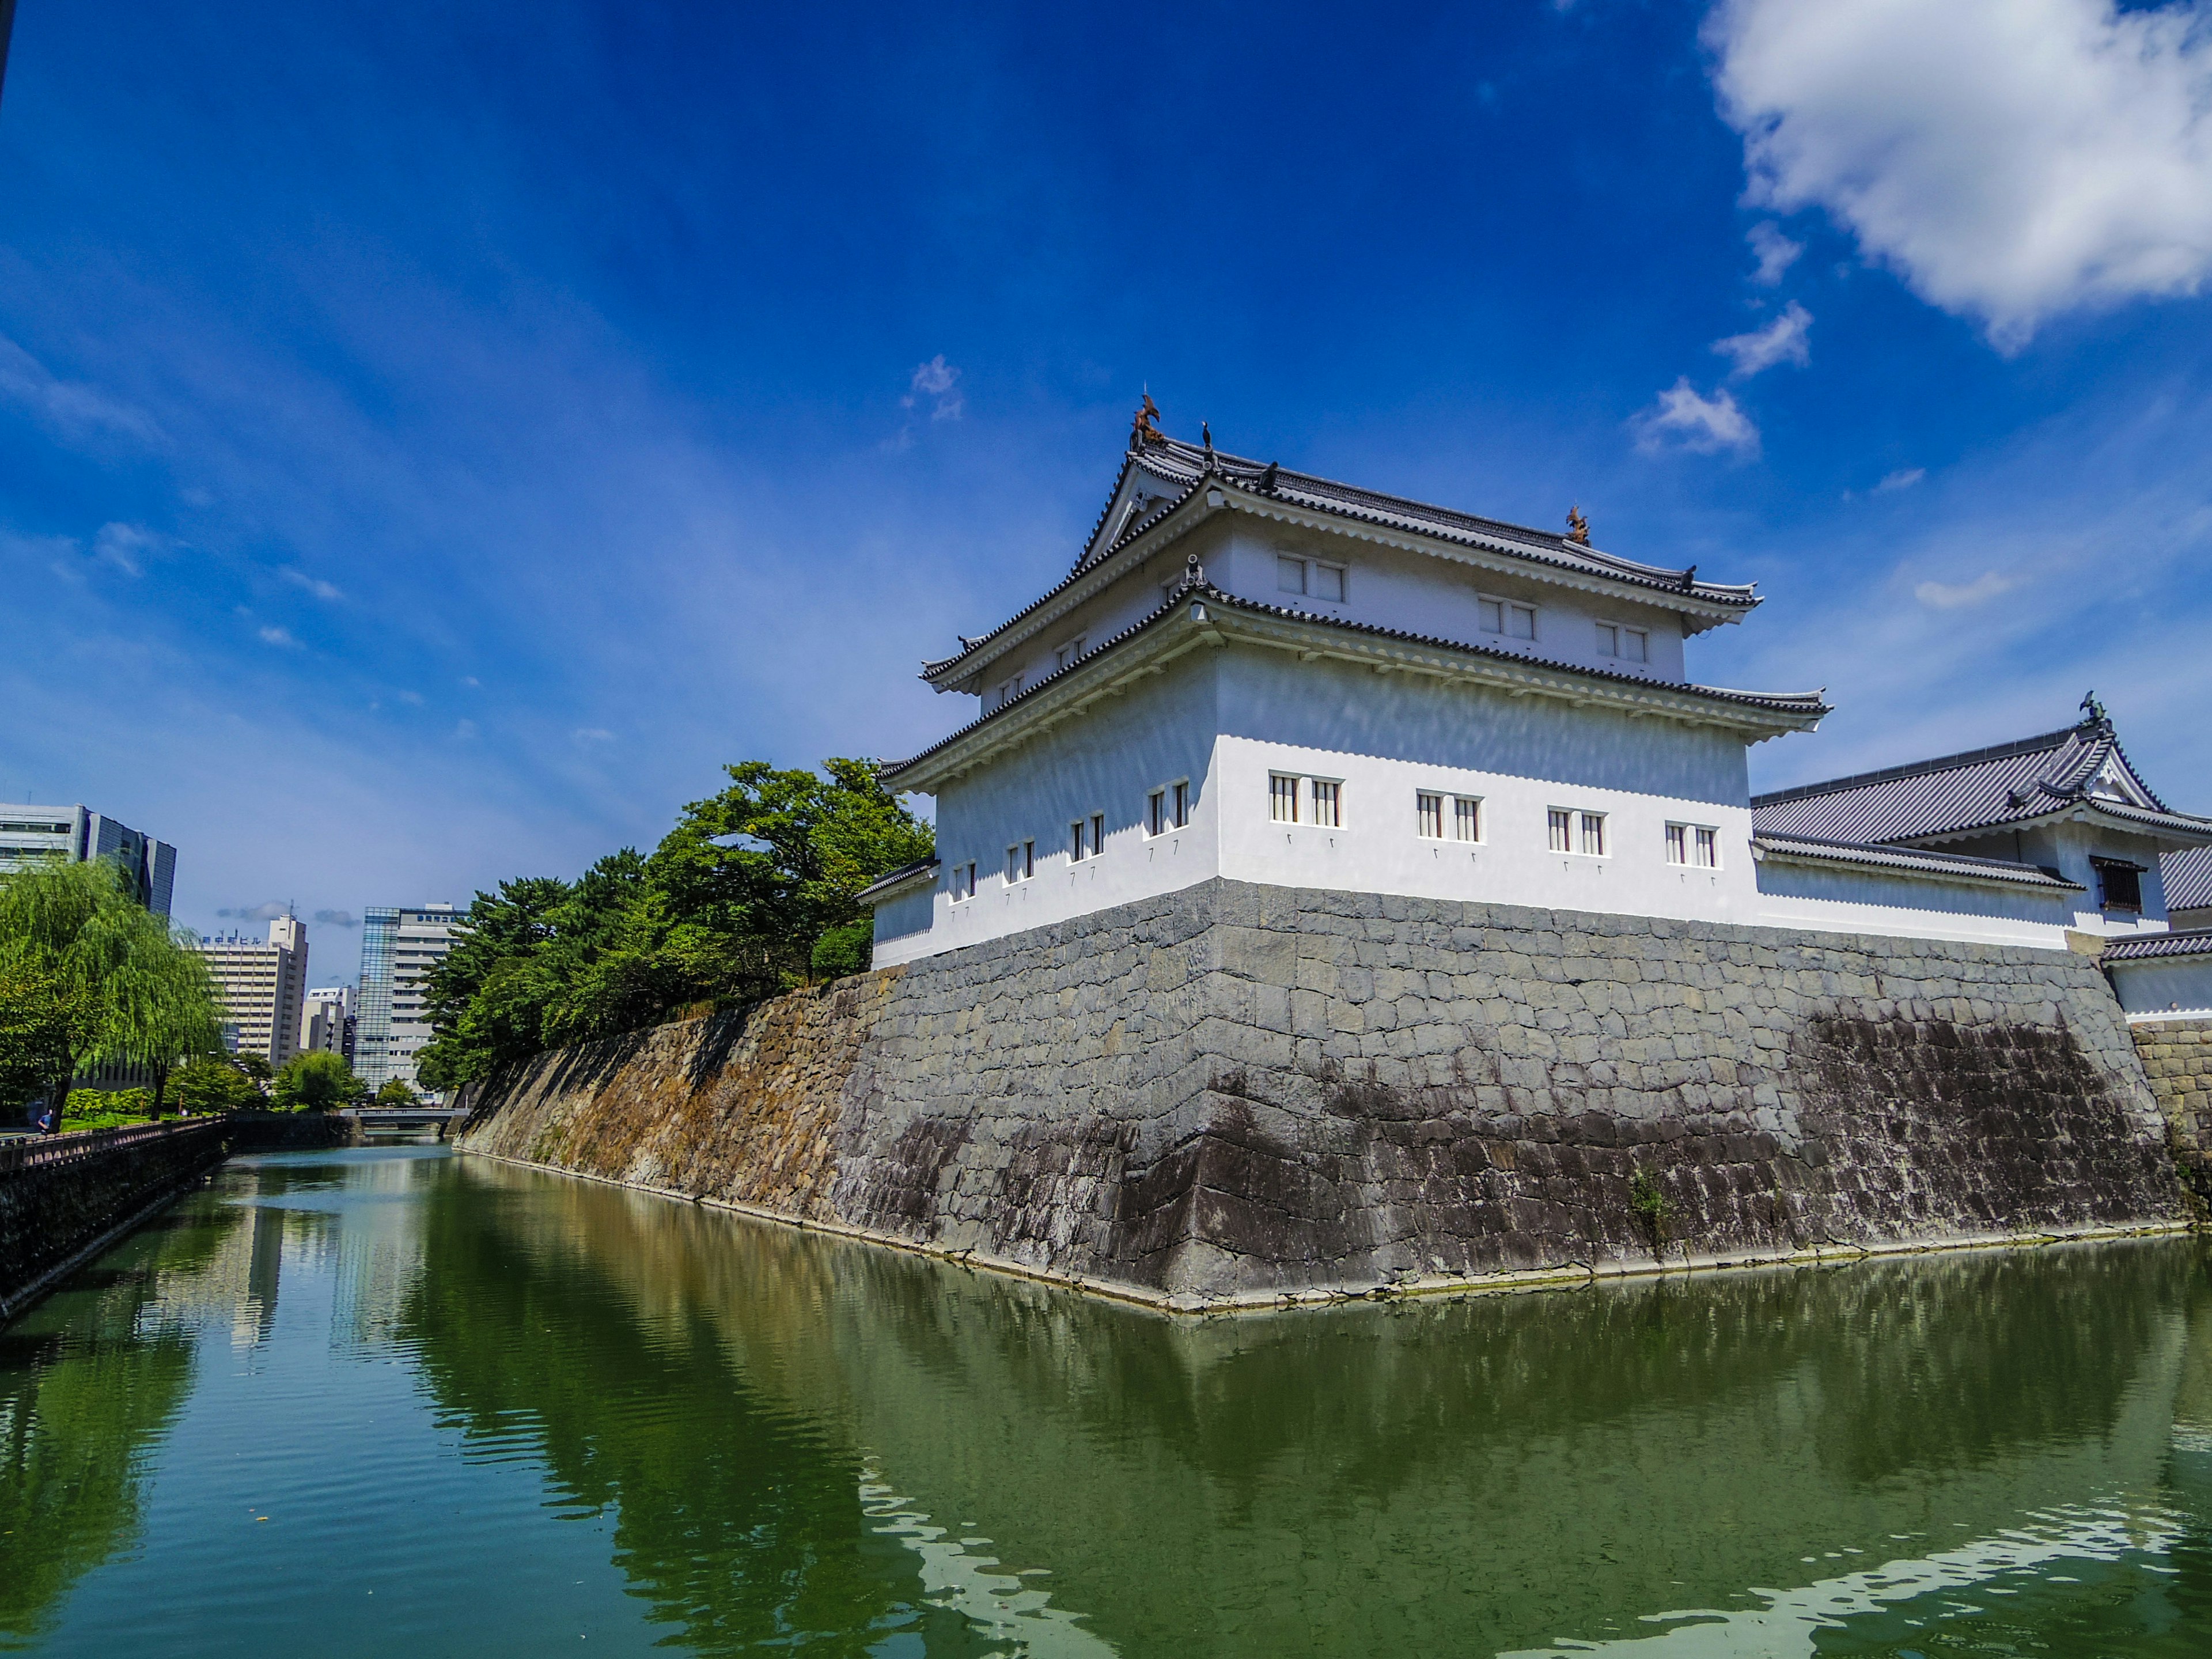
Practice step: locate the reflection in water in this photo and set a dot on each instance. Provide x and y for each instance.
(546, 1410)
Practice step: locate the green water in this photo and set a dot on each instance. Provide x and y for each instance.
(398, 1402)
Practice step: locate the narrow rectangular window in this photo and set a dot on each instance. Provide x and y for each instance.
(1029, 859)
(1608, 640)
(1182, 805)
(1067, 654)
(1291, 574)
(963, 880)
(1594, 834)
(1563, 830)
(1075, 841)
(1430, 810)
(1708, 849)
(1282, 799)
(1328, 804)
(1521, 621)
(1494, 616)
(1635, 645)
(1097, 834)
(1467, 818)
(1328, 582)
(1678, 843)
(1156, 813)
(1013, 865)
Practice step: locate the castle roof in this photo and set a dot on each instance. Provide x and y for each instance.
(2143, 947)
(2003, 873)
(2188, 878)
(2079, 770)
(1165, 487)
(1216, 617)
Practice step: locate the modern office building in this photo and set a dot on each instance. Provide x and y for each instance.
(263, 986)
(399, 945)
(326, 1021)
(79, 835)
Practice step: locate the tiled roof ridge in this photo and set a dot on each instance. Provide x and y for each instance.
(2142, 782)
(1883, 853)
(2175, 942)
(2051, 740)
(1793, 702)
(1242, 470)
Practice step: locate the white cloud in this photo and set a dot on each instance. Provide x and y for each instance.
(1903, 478)
(1775, 251)
(2010, 159)
(124, 546)
(73, 409)
(315, 585)
(413, 699)
(1943, 596)
(1682, 419)
(282, 636)
(268, 912)
(1782, 341)
(464, 729)
(594, 734)
(939, 381)
(337, 919)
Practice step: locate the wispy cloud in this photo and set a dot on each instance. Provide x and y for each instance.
(938, 382)
(1944, 596)
(2010, 159)
(267, 911)
(1683, 419)
(594, 734)
(315, 585)
(337, 919)
(1903, 478)
(1782, 341)
(278, 636)
(464, 729)
(69, 409)
(1775, 252)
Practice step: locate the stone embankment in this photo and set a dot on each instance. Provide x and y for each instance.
(2176, 1056)
(65, 1198)
(1239, 1095)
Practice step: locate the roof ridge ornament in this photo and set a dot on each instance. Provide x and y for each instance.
(1689, 579)
(1193, 575)
(1144, 426)
(1578, 525)
(1270, 478)
(1212, 468)
(2092, 712)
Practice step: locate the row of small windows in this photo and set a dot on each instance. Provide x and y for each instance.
(1320, 802)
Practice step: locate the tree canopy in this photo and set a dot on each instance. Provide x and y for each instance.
(88, 975)
(316, 1081)
(751, 893)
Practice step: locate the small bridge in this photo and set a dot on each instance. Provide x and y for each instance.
(441, 1118)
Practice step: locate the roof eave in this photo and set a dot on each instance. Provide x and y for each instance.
(2183, 831)
(1779, 849)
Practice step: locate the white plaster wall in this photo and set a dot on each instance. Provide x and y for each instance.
(1841, 899)
(2164, 985)
(1109, 762)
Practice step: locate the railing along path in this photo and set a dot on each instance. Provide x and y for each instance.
(50, 1150)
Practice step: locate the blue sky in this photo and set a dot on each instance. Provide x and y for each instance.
(434, 439)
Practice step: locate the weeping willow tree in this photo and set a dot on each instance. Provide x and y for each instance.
(88, 977)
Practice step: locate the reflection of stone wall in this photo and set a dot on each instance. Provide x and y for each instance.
(50, 1213)
(1241, 1090)
(2176, 1055)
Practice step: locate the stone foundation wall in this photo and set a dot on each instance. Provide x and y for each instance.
(1235, 1092)
(57, 1198)
(2176, 1057)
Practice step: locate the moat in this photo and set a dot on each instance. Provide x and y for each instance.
(398, 1401)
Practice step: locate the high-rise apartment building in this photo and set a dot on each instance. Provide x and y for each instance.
(263, 986)
(399, 945)
(326, 1021)
(79, 835)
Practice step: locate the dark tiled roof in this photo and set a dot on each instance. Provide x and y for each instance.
(1792, 702)
(2188, 878)
(1980, 789)
(897, 878)
(1913, 859)
(1181, 466)
(2195, 942)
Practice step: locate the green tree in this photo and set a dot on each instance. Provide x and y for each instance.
(42, 1022)
(114, 983)
(256, 1067)
(315, 1082)
(395, 1092)
(209, 1085)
